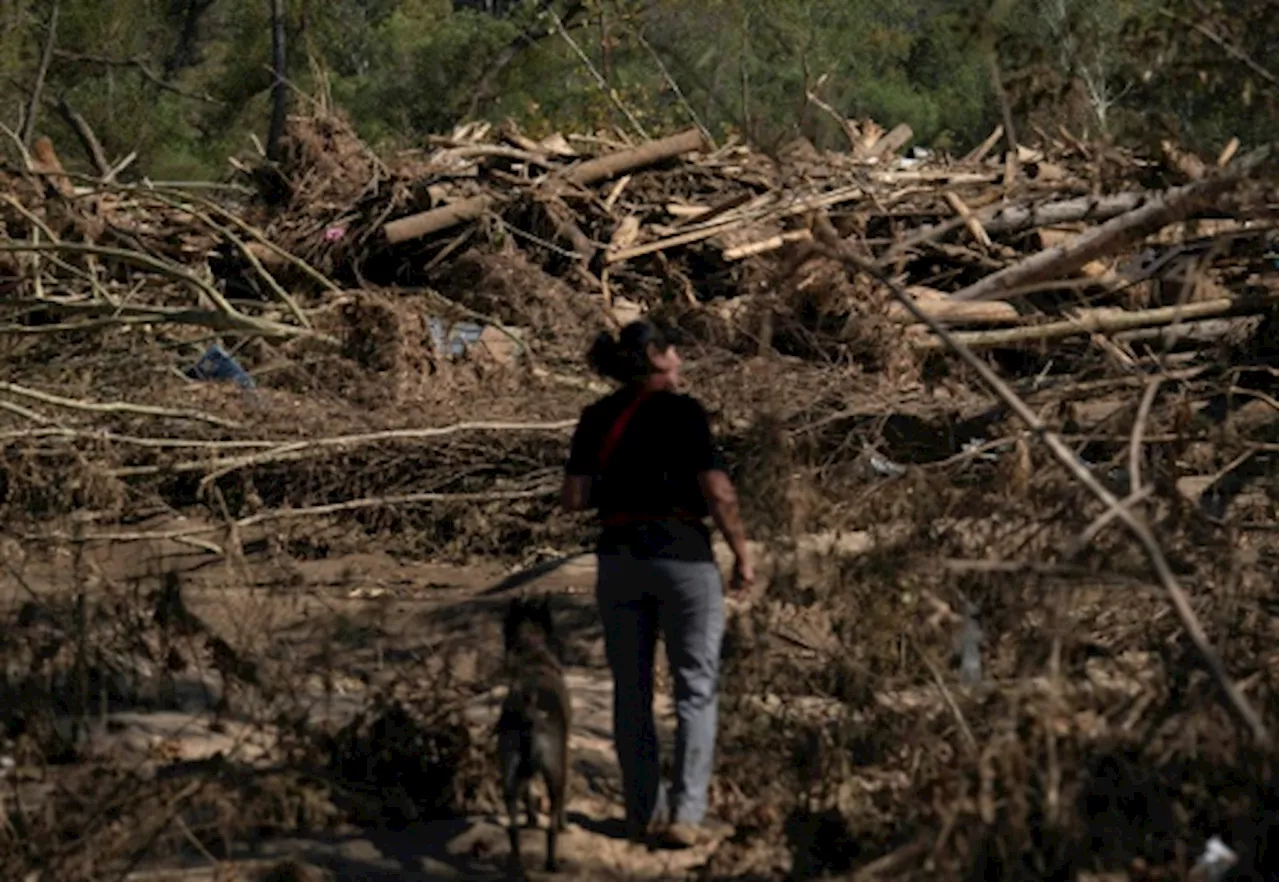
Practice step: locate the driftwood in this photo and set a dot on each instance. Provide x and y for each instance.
(415, 226)
(1014, 218)
(773, 243)
(728, 224)
(1112, 236)
(977, 154)
(602, 168)
(1237, 702)
(892, 141)
(971, 223)
(944, 309)
(113, 406)
(1107, 321)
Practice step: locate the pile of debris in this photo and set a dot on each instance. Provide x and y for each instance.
(403, 336)
(355, 299)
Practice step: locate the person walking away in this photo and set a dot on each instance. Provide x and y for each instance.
(644, 458)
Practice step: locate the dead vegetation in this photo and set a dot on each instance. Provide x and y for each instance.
(407, 334)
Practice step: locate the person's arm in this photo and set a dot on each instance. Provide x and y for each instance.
(721, 497)
(575, 491)
(722, 502)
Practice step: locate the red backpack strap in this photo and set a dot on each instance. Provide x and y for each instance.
(619, 426)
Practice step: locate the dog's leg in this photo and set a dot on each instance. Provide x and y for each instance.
(509, 749)
(513, 831)
(558, 816)
(555, 823)
(530, 806)
(561, 768)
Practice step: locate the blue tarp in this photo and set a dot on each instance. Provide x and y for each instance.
(459, 335)
(218, 364)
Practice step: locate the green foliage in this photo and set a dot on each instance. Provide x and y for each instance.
(421, 60)
(186, 82)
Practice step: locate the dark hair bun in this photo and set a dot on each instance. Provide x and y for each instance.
(626, 358)
(603, 356)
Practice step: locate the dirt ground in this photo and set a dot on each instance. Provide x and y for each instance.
(372, 616)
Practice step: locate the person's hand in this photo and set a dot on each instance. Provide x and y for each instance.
(744, 574)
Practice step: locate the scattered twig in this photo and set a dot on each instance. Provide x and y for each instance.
(303, 512)
(969, 740)
(115, 406)
(1139, 426)
(311, 447)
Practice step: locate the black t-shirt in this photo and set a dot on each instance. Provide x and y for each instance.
(652, 474)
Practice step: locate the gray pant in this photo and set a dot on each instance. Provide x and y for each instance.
(685, 600)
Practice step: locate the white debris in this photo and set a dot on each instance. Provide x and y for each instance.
(886, 467)
(1214, 862)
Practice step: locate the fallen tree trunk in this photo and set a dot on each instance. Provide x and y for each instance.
(1172, 206)
(1106, 322)
(1015, 218)
(415, 226)
(942, 308)
(593, 171)
(891, 141)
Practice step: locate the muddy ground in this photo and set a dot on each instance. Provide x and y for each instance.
(359, 623)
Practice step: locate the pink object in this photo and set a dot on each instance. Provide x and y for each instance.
(333, 234)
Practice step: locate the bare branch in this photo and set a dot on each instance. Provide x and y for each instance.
(139, 64)
(308, 511)
(33, 104)
(114, 406)
(1236, 700)
(88, 140)
(1234, 51)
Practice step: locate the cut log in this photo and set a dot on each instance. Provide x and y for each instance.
(1105, 321)
(773, 243)
(1188, 163)
(415, 226)
(567, 228)
(1110, 237)
(602, 168)
(977, 154)
(1228, 152)
(971, 223)
(891, 142)
(944, 309)
(1015, 218)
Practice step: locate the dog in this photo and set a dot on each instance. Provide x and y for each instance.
(533, 729)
